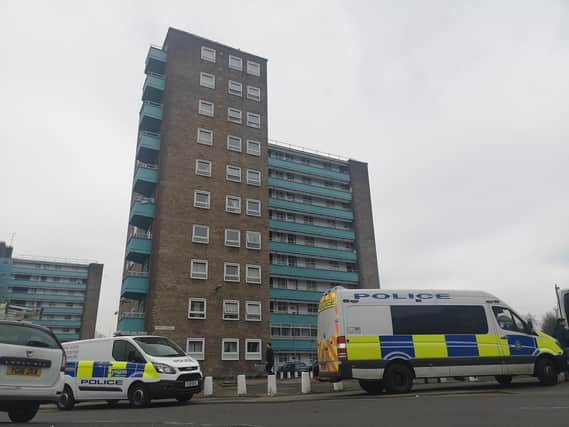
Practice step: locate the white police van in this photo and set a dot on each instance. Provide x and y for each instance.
(134, 368)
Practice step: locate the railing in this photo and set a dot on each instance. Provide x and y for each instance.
(161, 76)
(308, 150)
(132, 315)
(137, 273)
(146, 165)
(140, 234)
(149, 133)
(54, 259)
(141, 199)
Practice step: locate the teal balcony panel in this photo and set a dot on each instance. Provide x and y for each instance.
(142, 214)
(150, 117)
(47, 285)
(314, 273)
(293, 319)
(134, 287)
(138, 249)
(130, 323)
(62, 310)
(145, 180)
(44, 297)
(153, 89)
(325, 192)
(67, 336)
(155, 61)
(312, 251)
(292, 345)
(311, 209)
(294, 295)
(148, 147)
(308, 170)
(34, 270)
(311, 230)
(50, 323)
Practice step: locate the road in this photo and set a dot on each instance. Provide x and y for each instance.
(522, 404)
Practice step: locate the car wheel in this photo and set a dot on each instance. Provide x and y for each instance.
(184, 398)
(504, 379)
(23, 412)
(398, 378)
(372, 387)
(139, 396)
(546, 371)
(66, 400)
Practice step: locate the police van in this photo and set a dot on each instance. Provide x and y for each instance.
(134, 368)
(385, 338)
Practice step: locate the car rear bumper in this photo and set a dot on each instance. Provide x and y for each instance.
(41, 394)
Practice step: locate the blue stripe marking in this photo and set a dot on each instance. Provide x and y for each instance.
(461, 345)
(397, 345)
(71, 369)
(101, 369)
(521, 345)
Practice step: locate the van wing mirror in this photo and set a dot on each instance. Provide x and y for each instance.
(529, 327)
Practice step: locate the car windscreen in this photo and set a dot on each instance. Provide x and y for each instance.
(159, 347)
(26, 336)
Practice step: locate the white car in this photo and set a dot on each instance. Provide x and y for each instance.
(32, 362)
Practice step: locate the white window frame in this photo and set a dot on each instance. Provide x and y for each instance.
(234, 139)
(237, 60)
(254, 93)
(254, 143)
(207, 80)
(233, 173)
(234, 88)
(253, 120)
(202, 104)
(229, 356)
(197, 239)
(203, 192)
(253, 68)
(232, 210)
(249, 211)
(208, 54)
(230, 301)
(234, 118)
(231, 279)
(252, 181)
(195, 275)
(203, 314)
(203, 172)
(197, 356)
(255, 303)
(233, 243)
(248, 279)
(254, 356)
(200, 140)
(248, 245)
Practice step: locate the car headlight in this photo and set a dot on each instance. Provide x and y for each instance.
(162, 368)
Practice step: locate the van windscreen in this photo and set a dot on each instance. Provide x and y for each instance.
(438, 319)
(159, 347)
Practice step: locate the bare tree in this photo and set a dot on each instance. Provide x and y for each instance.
(548, 322)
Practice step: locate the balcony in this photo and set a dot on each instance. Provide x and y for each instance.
(308, 170)
(313, 273)
(131, 322)
(142, 213)
(148, 147)
(294, 295)
(279, 344)
(47, 285)
(155, 61)
(311, 230)
(67, 336)
(145, 179)
(153, 89)
(62, 323)
(62, 310)
(285, 205)
(24, 296)
(135, 286)
(138, 248)
(34, 269)
(293, 319)
(312, 251)
(150, 117)
(325, 192)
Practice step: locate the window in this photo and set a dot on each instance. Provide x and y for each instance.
(438, 319)
(230, 349)
(205, 136)
(253, 240)
(509, 321)
(233, 143)
(205, 108)
(253, 207)
(197, 308)
(253, 177)
(253, 274)
(200, 233)
(253, 311)
(235, 63)
(253, 148)
(233, 204)
(253, 68)
(199, 269)
(203, 167)
(230, 310)
(254, 93)
(233, 173)
(235, 88)
(201, 199)
(196, 348)
(208, 54)
(253, 120)
(123, 351)
(207, 80)
(232, 237)
(253, 349)
(231, 272)
(234, 115)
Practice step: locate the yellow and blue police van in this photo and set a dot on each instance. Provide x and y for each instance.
(387, 338)
(134, 368)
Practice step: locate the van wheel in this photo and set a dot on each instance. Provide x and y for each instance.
(139, 396)
(372, 387)
(23, 412)
(504, 379)
(66, 400)
(184, 398)
(545, 371)
(398, 378)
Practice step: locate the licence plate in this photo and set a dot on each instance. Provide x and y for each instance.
(27, 372)
(191, 383)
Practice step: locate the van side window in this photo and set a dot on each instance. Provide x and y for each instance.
(438, 319)
(508, 321)
(123, 351)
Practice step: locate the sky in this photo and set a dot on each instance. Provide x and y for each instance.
(460, 109)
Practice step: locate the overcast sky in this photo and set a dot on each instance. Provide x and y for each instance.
(459, 107)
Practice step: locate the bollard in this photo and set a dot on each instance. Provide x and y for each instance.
(272, 385)
(339, 386)
(296, 374)
(208, 386)
(311, 375)
(305, 383)
(282, 375)
(241, 385)
(288, 375)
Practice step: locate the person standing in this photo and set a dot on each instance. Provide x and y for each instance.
(270, 358)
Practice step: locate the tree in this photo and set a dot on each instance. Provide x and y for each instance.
(548, 322)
